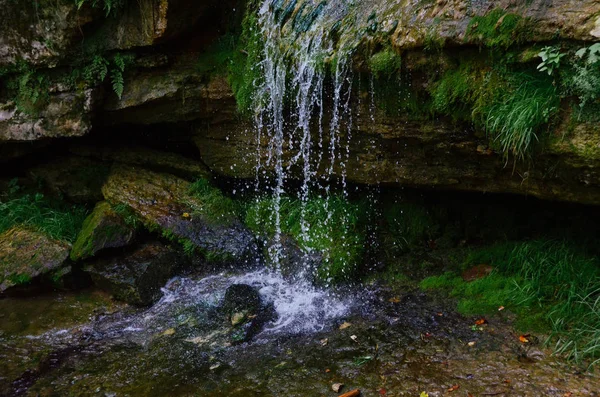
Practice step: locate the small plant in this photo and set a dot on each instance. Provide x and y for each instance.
(593, 53)
(55, 218)
(583, 80)
(214, 205)
(551, 57)
(109, 6)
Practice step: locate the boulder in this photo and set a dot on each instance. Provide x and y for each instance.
(26, 253)
(137, 277)
(102, 229)
(165, 203)
(245, 310)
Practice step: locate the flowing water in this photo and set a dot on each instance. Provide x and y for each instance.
(385, 342)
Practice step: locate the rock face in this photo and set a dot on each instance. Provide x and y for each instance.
(166, 86)
(164, 201)
(152, 159)
(65, 114)
(136, 278)
(26, 253)
(103, 228)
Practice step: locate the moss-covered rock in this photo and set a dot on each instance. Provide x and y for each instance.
(167, 204)
(136, 278)
(103, 228)
(26, 253)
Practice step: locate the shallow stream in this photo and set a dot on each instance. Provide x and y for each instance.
(381, 341)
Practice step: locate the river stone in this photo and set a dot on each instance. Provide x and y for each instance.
(137, 277)
(103, 228)
(245, 311)
(162, 201)
(26, 253)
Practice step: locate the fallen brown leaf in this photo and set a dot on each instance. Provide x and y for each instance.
(395, 299)
(352, 393)
(454, 388)
(481, 321)
(345, 325)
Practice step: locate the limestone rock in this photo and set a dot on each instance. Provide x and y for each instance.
(26, 253)
(174, 94)
(148, 158)
(103, 228)
(162, 201)
(136, 278)
(66, 114)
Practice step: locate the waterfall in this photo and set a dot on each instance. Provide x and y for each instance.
(290, 105)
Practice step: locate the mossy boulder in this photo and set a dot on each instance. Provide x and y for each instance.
(166, 204)
(137, 277)
(103, 228)
(26, 253)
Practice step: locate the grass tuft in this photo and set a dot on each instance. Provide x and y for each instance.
(52, 217)
(552, 286)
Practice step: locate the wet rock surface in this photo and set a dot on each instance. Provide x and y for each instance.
(390, 344)
(26, 254)
(162, 201)
(246, 312)
(137, 277)
(102, 229)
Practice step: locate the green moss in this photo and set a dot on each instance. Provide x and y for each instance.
(385, 63)
(98, 229)
(335, 228)
(499, 29)
(218, 57)
(19, 279)
(244, 69)
(128, 215)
